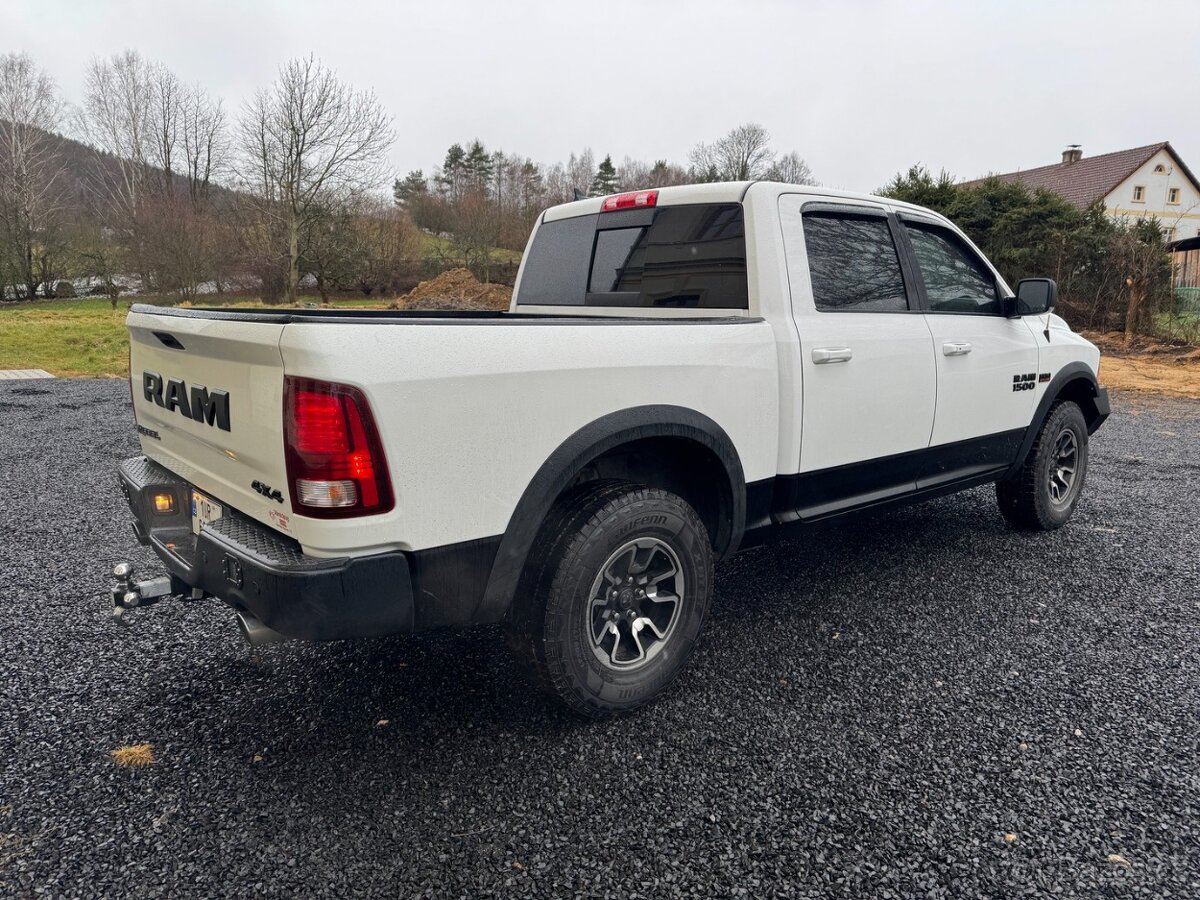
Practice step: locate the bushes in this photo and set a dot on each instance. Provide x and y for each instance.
(1112, 275)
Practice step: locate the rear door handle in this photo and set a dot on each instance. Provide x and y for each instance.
(824, 355)
(956, 348)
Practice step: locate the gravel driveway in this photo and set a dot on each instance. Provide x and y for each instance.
(914, 704)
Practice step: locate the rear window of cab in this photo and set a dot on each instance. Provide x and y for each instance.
(682, 257)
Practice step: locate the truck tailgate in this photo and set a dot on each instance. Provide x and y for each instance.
(208, 398)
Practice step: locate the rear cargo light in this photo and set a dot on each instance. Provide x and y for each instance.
(631, 200)
(335, 462)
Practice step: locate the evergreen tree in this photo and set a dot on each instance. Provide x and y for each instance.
(605, 181)
(478, 166)
(450, 179)
(407, 189)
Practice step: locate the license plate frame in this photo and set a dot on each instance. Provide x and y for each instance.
(205, 511)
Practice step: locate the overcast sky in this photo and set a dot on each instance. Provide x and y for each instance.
(860, 88)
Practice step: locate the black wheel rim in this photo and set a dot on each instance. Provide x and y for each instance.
(635, 603)
(1064, 466)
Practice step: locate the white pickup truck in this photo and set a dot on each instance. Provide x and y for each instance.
(682, 373)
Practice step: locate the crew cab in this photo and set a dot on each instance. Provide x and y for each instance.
(682, 373)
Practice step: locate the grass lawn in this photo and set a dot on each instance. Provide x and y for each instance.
(85, 338)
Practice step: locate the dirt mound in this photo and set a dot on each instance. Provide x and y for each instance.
(1147, 364)
(1113, 343)
(455, 289)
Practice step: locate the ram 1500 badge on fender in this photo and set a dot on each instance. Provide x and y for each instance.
(682, 373)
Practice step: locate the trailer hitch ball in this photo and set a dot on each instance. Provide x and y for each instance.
(128, 594)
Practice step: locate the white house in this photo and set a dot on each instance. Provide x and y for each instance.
(1142, 182)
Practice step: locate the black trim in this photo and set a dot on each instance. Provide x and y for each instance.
(579, 450)
(248, 565)
(429, 317)
(449, 581)
(849, 208)
(901, 477)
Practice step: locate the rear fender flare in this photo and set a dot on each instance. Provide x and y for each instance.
(572, 456)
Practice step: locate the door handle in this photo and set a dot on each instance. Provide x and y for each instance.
(956, 348)
(824, 355)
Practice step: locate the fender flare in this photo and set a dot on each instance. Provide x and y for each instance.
(1068, 374)
(570, 458)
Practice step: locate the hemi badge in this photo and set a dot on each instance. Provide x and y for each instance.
(1043, 378)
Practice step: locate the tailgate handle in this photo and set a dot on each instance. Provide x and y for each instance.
(168, 340)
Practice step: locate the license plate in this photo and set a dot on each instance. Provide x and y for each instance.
(204, 510)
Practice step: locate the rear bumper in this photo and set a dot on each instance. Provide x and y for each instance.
(259, 570)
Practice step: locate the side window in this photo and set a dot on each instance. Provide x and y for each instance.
(852, 263)
(956, 280)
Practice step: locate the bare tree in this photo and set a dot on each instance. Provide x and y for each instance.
(742, 155)
(790, 169)
(307, 138)
(156, 136)
(205, 142)
(29, 168)
(117, 119)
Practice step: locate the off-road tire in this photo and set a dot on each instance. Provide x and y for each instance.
(1026, 500)
(548, 623)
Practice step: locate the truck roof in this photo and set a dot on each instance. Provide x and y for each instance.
(718, 192)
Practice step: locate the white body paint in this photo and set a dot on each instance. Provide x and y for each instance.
(469, 411)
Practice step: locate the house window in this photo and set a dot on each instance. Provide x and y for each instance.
(1173, 195)
(1159, 169)
(1139, 193)
(1168, 234)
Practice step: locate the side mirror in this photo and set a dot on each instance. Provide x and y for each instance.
(1035, 296)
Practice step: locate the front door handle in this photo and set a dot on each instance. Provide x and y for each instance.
(956, 348)
(822, 356)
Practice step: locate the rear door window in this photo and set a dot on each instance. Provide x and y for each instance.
(853, 264)
(691, 257)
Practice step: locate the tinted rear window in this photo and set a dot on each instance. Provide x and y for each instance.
(677, 256)
(852, 263)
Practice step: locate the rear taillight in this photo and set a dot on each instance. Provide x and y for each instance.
(335, 462)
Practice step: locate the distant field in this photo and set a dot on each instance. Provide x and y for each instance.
(86, 338)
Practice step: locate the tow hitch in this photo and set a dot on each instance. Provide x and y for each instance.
(128, 594)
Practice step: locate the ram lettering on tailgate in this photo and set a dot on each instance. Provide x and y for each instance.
(199, 403)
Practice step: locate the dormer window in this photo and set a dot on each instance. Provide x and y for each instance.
(1173, 195)
(1139, 193)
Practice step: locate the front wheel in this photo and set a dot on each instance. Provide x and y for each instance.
(617, 591)
(1043, 494)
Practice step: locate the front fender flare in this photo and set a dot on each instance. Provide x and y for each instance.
(1071, 372)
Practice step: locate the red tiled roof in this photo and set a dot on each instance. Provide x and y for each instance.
(1090, 178)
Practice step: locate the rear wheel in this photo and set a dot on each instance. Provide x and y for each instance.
(1043, 494)
(613, 601)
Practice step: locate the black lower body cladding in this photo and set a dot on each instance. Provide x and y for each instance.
(256, 569)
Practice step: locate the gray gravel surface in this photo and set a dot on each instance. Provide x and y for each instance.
(876, 706)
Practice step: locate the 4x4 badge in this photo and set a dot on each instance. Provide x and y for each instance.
(267, 491)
